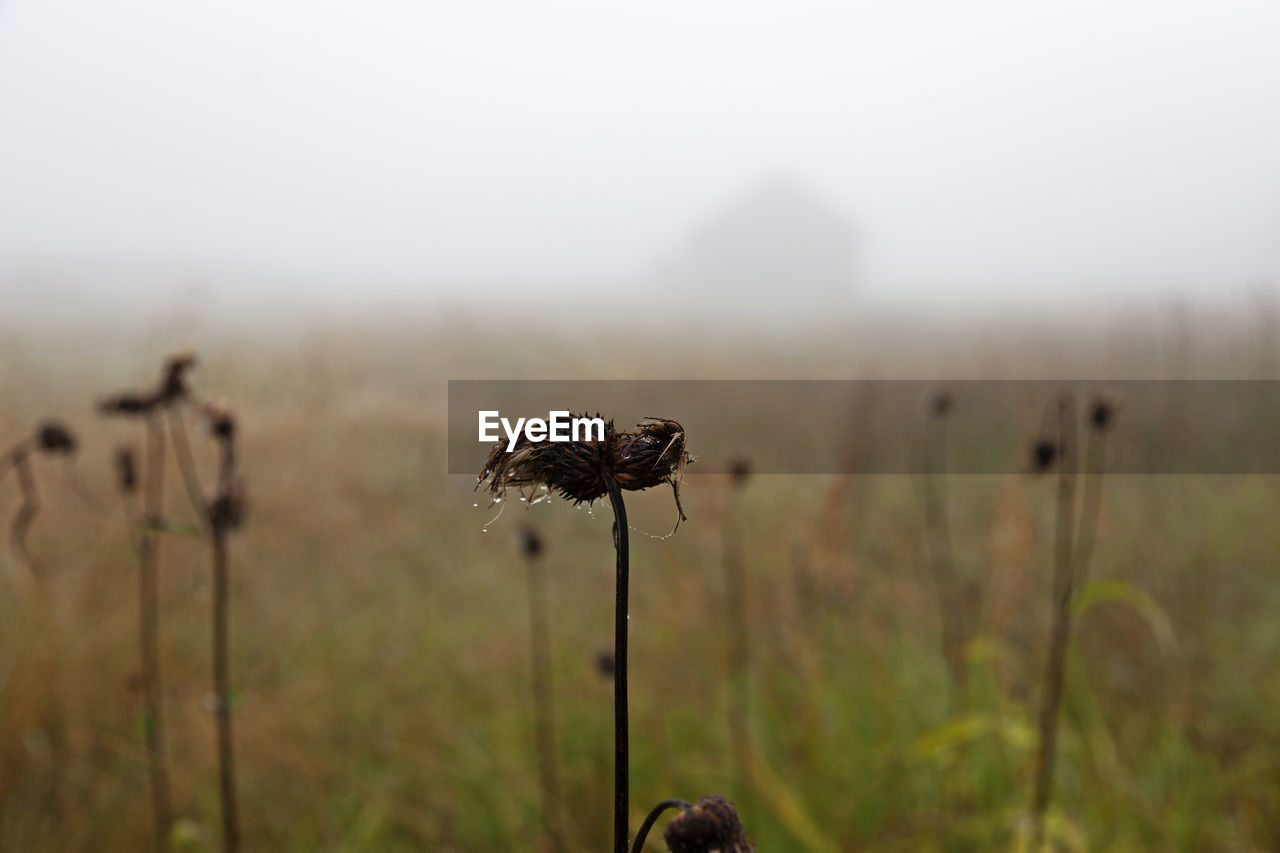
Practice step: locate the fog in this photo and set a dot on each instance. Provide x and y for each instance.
(383, 150)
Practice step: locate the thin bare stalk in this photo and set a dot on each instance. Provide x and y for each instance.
(220, 525)
(1060, 632)
(544, 701)
(621, 741)
(652, 818)
(148, 619)
(952, 612)
(736, 640)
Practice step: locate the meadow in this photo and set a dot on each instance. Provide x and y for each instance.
(379, 622)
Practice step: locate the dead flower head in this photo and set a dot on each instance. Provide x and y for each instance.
(54, 438)
(710, 825)
(228, 507)
(581, 470)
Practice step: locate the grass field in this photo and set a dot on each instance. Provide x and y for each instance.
(380, 636)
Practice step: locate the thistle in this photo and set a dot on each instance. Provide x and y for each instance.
(583, 471)
(1073, 549)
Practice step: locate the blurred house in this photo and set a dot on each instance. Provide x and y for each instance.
(780, 246)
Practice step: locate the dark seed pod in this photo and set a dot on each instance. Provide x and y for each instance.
(604, 663)
(127, 403)
(1044, 453)
(173, 382)
(222, 423)
(126, 470)
(940, 404)
(1102, 413)
(530, 542)
(52, 437)
(710, 825)
(227, 508)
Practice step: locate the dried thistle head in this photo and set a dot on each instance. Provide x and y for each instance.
(1102, 412)
(605, 664)
(710, 825)
(581, 470)
(126, 469)
(1044, 453)
(127, 403)
(530, 542)
(940, 403)
(222, 423)
(54, 438)
(228, 507)
(173, 381)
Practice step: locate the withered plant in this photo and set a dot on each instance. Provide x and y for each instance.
(224, 513)
(532, 547)
(710, 825)
(50, 438)
(150, 407)
(584, 471)
(1073, 549)
(736, 636)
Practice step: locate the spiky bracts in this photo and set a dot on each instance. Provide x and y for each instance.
(580, 471)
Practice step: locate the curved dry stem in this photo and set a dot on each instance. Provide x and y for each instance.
(653, 818)
(621, 742)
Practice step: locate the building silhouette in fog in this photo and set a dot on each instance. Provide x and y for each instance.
(777, 246)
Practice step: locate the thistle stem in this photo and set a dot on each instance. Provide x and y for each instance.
(148, 618)
(652, 819)
(621, 766)
(544, 704)
(221, 663)
(1063, 588)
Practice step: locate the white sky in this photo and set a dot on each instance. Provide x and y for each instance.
(1007, 146)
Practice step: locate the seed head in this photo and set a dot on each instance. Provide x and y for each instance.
(710, 825)
(940, 404)
(126, 469)
(54, 438)
(530, 542)
(581, 470)
(173, 382)
(222, 423)
(1102, 413)
(604, 663)
(1044, 452)
(127, 403)
(228, 507)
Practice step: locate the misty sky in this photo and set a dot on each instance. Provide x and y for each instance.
(1007, 146)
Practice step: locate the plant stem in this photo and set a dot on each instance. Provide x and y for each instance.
(652, 819)
(222, 690)
(221, 663)
(148, 618)
(621, 765)
(544, 703)
(736, 643)
(1063, 588)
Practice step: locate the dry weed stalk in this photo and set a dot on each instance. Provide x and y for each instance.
(148, 406)
(50, 438)
(584, 471)
(1072, 551)
(224, 512)
(531, 545)
(736, 644)
(952, 594)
